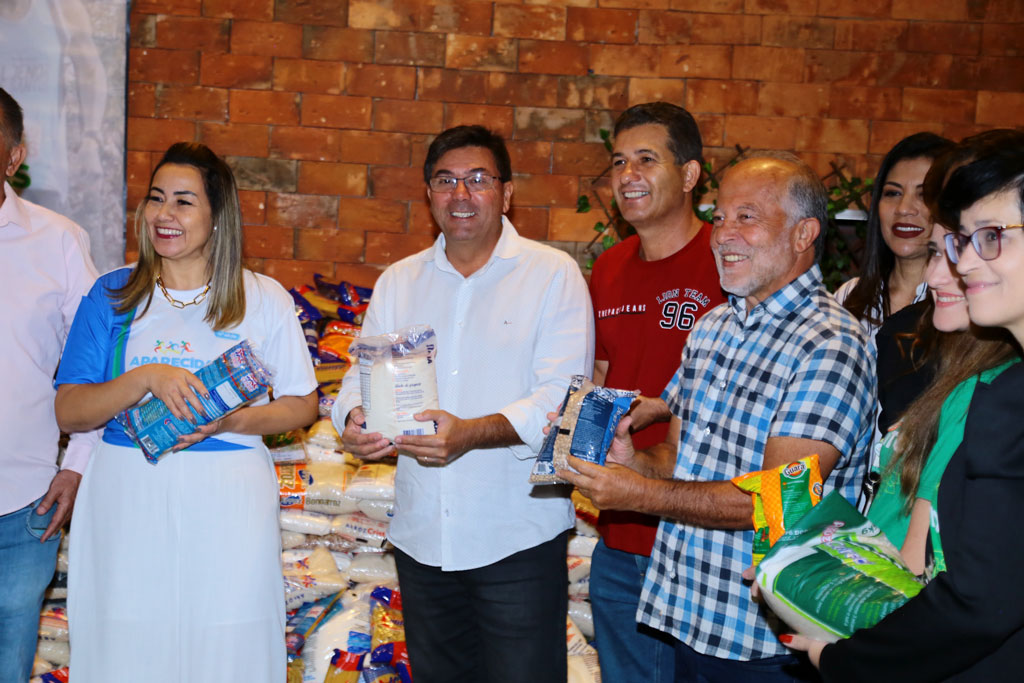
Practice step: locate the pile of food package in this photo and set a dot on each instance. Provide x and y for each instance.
(341, 586)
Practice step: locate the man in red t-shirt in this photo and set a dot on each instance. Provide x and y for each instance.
(648, 291)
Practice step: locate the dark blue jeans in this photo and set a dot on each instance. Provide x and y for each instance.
(502, 623)
(694, 667)
(26, 567)
(627, 651)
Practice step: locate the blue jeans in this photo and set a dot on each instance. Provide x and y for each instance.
(26, 567)
(501, 623)
(627, 651)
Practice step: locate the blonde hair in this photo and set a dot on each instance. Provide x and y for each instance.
(227, 290)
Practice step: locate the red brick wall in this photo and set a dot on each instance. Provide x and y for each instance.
(326, 107)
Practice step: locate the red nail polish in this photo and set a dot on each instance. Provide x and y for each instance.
(786, 638)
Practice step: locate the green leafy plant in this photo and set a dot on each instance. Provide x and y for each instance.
(709, 182)
(613, 227)
(20, 180)
(839, 261)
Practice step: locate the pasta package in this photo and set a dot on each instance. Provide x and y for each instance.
(387, 644)
(59, 676)
(232, 379)
(344, 667)
(584, 428)
(834, 572)
(397, 379)
(781, 496)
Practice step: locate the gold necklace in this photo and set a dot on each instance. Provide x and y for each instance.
(182, 304)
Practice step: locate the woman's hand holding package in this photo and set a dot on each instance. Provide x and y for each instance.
(202, 432)
(176, 387)
(793, 641)
(800, 643)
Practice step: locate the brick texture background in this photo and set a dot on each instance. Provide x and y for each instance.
(325, 108)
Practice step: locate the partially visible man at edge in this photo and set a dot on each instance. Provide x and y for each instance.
(780, 372)
(480, 552)
(648, 291)
(45, 271)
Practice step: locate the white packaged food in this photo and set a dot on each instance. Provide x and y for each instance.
(397, 379)
(305, 522)
(373, 481)
(373, 568)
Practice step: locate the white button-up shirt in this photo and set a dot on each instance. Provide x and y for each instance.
(45, 269)
(509, 337)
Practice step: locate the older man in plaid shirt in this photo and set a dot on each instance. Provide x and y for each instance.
(780, 372)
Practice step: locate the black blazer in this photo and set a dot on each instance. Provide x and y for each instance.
(968, 623)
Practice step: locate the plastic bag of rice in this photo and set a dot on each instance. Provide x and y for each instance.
(834, 572)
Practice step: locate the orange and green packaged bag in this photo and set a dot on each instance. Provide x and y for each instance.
(781, 496)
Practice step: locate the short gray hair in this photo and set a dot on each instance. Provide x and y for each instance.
(806, 196)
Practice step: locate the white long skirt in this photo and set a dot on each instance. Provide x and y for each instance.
(175, 569)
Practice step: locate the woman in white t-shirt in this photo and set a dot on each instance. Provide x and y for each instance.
(175, 567)
(896, 243)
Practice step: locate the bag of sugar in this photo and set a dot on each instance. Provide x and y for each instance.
(397, 379)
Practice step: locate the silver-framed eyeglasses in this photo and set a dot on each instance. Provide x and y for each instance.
(474, 182)
(987, 241)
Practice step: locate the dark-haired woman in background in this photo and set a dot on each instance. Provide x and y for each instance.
(896, 243)
(175, 572)
(967, 624)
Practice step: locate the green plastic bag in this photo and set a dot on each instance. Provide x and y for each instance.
(834, 572)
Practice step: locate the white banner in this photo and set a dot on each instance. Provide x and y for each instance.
(64, 62)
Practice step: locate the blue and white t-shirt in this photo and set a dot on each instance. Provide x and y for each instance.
(104, 344)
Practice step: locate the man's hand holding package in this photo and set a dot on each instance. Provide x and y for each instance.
(372, 446)
(609, 487)
(450, 441)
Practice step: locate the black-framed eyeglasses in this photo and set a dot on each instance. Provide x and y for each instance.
(474, 182)
(987, 241)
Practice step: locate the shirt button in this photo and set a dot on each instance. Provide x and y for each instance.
(455, 372)
(721, 385)
(707, 430)
(461, 323)
(671, 573)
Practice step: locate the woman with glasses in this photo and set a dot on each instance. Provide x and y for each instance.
(967, 624)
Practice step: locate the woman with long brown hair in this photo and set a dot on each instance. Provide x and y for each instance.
(175, 567)
(895, 247)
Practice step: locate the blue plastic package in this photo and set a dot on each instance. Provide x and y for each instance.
(232, 379)
(584, 428)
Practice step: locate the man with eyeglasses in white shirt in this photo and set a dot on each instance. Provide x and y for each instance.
(480, 552)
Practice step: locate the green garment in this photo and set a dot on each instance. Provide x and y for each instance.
(887, 509)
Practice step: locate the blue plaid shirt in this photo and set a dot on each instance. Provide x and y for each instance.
(797, 365)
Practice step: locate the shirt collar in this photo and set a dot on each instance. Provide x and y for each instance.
(508, 247)
(13, 211)
(783, 301)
